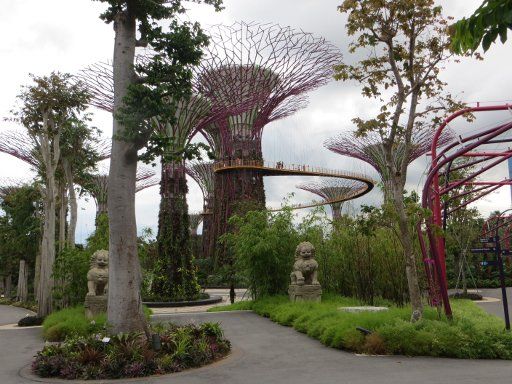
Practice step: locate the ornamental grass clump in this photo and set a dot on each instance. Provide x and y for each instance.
(70, 322)
(131, 354)
(472, 334)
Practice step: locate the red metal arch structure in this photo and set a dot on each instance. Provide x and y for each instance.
(473, 148)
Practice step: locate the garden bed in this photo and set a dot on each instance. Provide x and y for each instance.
(132, 355)
(472, 333)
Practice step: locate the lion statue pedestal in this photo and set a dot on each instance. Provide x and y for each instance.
(97, 285)
(304, 282)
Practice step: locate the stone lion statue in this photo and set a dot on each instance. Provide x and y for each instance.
(97, 277)
(305, 268)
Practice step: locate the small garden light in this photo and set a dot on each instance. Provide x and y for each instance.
(156, 343)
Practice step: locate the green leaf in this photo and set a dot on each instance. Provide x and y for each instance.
(503, 34)
(487, 41)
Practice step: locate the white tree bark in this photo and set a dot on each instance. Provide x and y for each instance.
(73, 206)
(50, 154)
(124, 300)
(22, 291)
(62, 216)
(37, 272)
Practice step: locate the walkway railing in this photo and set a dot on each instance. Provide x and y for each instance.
(292, 168)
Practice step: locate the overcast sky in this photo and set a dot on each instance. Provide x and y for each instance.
(42, 36)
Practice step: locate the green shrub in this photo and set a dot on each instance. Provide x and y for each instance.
(71, 322)
(131, 354)
(472, 334)
(70, 271)
(360, 256)
(264, 244)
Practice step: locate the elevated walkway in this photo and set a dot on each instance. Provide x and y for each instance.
(281, 169)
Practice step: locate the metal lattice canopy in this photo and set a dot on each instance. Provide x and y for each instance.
(204, 176)
(97, 184)
(334, 191)
(369, 148)
(267, 64)
(195, 219)
(191, 115)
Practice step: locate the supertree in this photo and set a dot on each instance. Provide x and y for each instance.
(194, 112)
(369, 148)
(195, 219)
(97, 186)
(202, 173)
(334, 192)
(275, 66)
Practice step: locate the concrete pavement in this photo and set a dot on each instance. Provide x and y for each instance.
(265, 352)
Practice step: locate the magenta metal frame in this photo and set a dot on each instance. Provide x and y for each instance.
(434, 257)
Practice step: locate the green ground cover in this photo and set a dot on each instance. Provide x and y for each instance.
(472, 333)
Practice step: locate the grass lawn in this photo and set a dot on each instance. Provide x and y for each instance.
(472, 333)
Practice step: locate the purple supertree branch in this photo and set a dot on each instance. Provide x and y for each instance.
(369, 149)
(19, 145)
(97, 184)
(268, 65)
(192, 114)
(99, 81)
(103, 148)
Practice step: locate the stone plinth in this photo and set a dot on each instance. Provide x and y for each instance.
(305, 292)
(94, 305)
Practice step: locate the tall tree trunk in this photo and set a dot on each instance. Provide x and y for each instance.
(73, 213)
(46, 281)
(62, 216)
(124, 300)
(22, 291)
(37, 273)
(8, 286)
(173, 238)
(409, 254)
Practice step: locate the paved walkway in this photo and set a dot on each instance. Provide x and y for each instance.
(240, 294)
(496, 307)
(11, 315)
(264, 352)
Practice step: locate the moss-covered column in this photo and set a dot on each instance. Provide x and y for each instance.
(175, 274)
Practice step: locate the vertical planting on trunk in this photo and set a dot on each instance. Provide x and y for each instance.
(175, 274)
